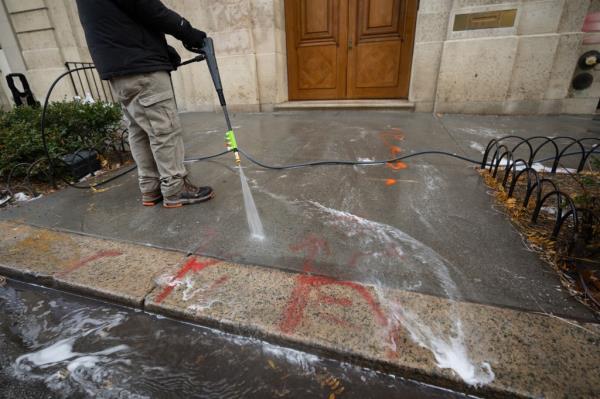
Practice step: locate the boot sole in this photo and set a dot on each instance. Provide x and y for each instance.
(196, 201)
(152, 203)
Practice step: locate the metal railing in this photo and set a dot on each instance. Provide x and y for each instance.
(88, 81)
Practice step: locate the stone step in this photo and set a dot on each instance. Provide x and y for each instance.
(390, 105)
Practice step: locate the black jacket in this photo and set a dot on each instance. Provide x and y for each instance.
(128, 36)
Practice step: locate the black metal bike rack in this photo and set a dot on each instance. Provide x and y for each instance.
(502, 153)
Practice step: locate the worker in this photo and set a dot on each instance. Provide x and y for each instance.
(126, 39)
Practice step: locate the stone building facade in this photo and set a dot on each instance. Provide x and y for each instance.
(491, 64)
(523, 69)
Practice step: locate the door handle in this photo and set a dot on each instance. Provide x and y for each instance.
(349, 43)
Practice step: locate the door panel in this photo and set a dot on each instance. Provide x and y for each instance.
(316, 65)
(318, 68)
(349, 48)
(379, 65)
(380, 51)
(317, 19)
(379, 17)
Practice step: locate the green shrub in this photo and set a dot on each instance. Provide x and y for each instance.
(69, 126)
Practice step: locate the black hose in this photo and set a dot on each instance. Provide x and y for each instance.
(305, 164)
(198, 159)
(341, 162)
(93, 186)
(133, 167)
(344, 162)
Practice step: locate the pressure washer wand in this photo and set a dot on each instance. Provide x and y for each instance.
(208, 51)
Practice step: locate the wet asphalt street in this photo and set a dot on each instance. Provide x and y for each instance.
(54, 344)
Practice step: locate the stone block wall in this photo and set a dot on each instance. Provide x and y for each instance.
(249, 39)
(523, 69)
(45, 35)
(587, 98)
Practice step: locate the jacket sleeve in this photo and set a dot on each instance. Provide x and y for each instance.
(156, 16)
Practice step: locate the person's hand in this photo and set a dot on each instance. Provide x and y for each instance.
(174, 57)
(195, 40)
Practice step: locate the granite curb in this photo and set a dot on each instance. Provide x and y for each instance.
(530, 355)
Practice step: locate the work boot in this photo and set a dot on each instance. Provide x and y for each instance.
(151, 199)
(189, 194)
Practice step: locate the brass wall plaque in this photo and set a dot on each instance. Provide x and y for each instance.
(485, 20)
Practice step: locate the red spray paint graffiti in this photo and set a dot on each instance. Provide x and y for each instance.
(92, 258)
(306, 284)
(331, 300)
(206, 248)
(313, 246)
(210, 290)
(192, 265)
(208, 235)
(355, 258)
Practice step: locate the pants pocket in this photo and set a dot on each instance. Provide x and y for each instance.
(160, 111)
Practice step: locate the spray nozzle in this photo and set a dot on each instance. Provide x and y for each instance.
(231, 144)
(230, 141)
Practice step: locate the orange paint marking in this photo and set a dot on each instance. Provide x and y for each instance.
(391, 138)
(395, 150)
(398, 165)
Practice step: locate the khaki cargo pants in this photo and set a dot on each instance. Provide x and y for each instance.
(155, 134)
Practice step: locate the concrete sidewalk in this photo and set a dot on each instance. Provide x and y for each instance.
(409, 267)
(434, 210)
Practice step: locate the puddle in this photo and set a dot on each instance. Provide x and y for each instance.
(59, 345)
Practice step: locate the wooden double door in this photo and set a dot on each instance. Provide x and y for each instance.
(349, 49)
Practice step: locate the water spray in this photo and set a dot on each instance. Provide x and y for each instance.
(207, 52)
